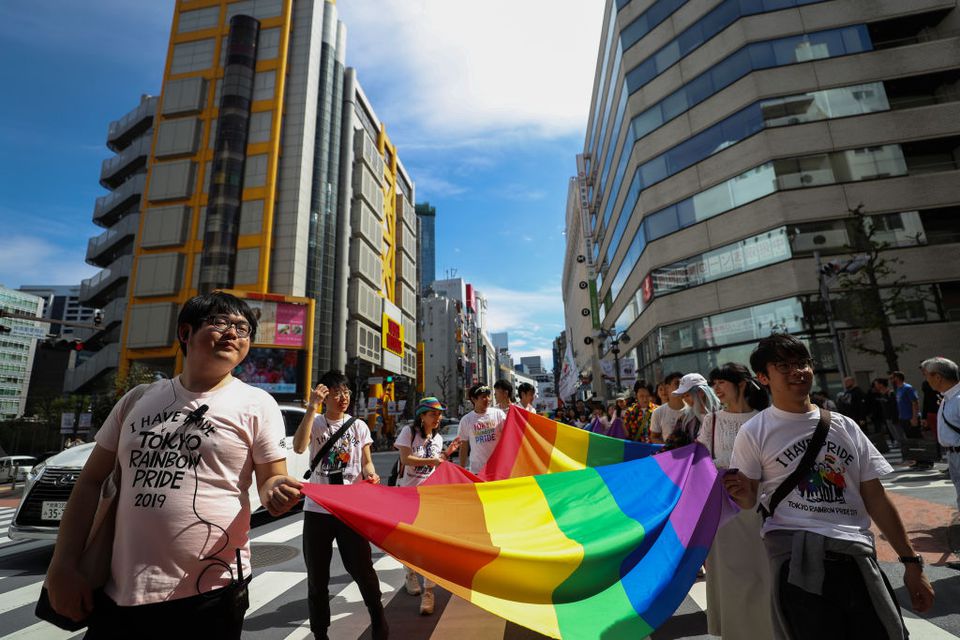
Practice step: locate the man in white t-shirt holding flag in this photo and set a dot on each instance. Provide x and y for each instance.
(187, 450)
(480, 429)
(825, 576)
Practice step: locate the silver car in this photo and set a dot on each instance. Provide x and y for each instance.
(48, 485)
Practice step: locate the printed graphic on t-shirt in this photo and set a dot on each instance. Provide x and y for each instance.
(164, 448)
(427, 452)
(825, 483)
(484, 431)
(339, 456)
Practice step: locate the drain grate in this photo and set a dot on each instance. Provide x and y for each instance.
(265, 555)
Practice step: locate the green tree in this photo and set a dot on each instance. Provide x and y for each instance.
(874, 289)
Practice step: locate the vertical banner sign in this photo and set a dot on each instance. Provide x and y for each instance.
(569, 376)
(291, 319)
(66, 422)
(421, 374)
(594, 304)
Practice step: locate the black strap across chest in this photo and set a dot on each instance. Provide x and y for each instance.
(806, 463)
(328, 445)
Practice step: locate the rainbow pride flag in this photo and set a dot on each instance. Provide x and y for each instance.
(531, 445)
(607, 551)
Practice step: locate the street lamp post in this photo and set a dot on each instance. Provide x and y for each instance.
(615, 339)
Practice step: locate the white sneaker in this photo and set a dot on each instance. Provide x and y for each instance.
(413, 584)
(426, 602)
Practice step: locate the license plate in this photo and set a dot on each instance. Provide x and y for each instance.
(52, 510)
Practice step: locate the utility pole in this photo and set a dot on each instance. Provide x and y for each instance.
(828, 310)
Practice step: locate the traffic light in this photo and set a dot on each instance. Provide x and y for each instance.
(97, 317)
(389, 379)
(64, 345)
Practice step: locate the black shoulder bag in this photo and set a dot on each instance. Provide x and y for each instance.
(806, 462)
(325, 449)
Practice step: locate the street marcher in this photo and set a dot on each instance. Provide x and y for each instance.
(908, 405)
(852, 401)
(699, 400)
(636, 419)
(822, 399)
(884, 410)
(665, 417)
(942, 374)
(738, 575)
(825, 578)
(503, 395)
(930, 407)
(347, 460)
(421, 450)
(480, 429)
(187, 450)
(527, 393)
(615, 428)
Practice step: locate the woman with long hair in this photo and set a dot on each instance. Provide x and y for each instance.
(421, 451)
(738, 581)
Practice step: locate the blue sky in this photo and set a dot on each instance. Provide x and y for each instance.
(487, 118)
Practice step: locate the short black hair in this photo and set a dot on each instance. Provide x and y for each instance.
(481, 388)
(334, 379)
(779, 347)
(504, 385)
(197, 309)
(676, 375)
(898, 375)
(526, 387)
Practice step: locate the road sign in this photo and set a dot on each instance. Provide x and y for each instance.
(66, 422)
(375, 380)
(86, 421)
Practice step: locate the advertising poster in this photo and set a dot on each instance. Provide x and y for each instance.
(290, 321)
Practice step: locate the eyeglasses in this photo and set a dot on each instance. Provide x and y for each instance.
(789, 367)
(222, 324)
(340, 394)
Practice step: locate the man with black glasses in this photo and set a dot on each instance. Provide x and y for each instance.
(187, 450)
(339, 449)
(826, 580)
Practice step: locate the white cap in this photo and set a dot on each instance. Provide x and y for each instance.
(688, 382)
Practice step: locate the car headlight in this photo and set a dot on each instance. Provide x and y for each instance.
(36, 472)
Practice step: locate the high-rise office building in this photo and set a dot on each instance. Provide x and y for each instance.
(728, 141)
(118, 212)
(268, 173)
(428, 243)
(18, 344)
(62, 302)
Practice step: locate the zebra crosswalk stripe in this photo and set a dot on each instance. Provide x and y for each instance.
(270, 584)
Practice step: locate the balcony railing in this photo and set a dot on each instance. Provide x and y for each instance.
(102, 362)
(114, 170)
(99, 245)
(92, 288)
(107, 207)
(121, 132)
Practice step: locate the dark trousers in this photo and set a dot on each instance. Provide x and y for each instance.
(913, 432)
(319, 532)
(216, 615)
(843, 611)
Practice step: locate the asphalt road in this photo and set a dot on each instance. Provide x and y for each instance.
(278, 607)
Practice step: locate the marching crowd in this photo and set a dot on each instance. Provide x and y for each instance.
(183, 554)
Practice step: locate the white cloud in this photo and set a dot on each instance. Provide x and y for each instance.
(34, 260)
(462, 69)
(530, 317)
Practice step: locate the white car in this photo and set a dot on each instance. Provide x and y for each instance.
(15, 467)
(48, 484)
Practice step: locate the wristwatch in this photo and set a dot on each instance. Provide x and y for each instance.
(915, 559)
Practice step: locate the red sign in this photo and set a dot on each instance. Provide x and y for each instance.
(394, 337)
(647, 289)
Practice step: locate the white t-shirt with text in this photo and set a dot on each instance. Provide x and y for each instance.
(422, 448)
(159, 538)
(481, 431)
(345, 456)
(769, 447)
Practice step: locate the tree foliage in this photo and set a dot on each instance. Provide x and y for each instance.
(877, 292)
